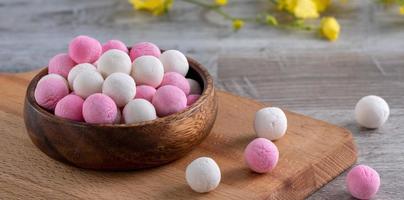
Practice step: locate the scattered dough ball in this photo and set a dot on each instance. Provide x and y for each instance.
(120, 87)
(371, 111)
(144, 49)
(174, 61)
(70, 107)
(139, 110)
(194, 86)
(49, 90)
(191, 99)
(169, 100)
(84, 49)
(148, 70)
(261, 155)
(78, 69)
(61, 64)
(87, 83)
(363, 182)
(99, 109)
(114, 44)
(270, 123)
(112, 61)
(176, 79)
(145, 92)
(203, 175)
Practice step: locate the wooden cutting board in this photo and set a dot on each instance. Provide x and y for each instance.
(312, 153)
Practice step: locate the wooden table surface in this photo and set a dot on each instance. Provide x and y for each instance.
(295, 70)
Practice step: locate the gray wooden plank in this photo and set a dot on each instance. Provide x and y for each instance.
(318, 80)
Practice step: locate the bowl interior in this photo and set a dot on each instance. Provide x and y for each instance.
(196, 72)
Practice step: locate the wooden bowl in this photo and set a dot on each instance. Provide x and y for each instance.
(123, 146)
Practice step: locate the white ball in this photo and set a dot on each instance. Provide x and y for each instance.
(195, 88)
(148, 70)
(270, 123)
(139, 110)
(371, 111)
(203, 175)
(114, 60)
(87, 83)
(76, 70)
(120, 87)
(174, 61)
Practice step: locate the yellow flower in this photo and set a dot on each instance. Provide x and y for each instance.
(401, 10)
(321, 4)
(305, 9)
(300, 8)
(330, 28)
(221, 2)
(238, 24)
(157, 7)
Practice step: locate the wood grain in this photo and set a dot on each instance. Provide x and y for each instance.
(327, 86)
(312, 153)
(36, 30)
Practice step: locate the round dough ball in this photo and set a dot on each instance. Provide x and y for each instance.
(78, 69)
(261, 155)
(144, 49)
(114, 44)
(371, 111)
(120, 87)
(112, 61)
(145, 92)
(194, 86)
(203, 175)
(270, 123)
(169, 100)
(174, 61)
(363, 182)
(49, 90)
(61, 64)
(139, 110)
(87, 83)
(191, 99)
(84, 49)
(176, 79)
(99, 109)
(70, 107)
(148, 70)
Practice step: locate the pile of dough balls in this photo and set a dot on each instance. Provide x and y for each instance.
(108, 84)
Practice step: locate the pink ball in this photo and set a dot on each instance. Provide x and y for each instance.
(176, 79)
(84, 49)
(145, 92)
(99, 109)
(61, 64)
(169, 100)
(114, 44)
(191, 99)
(143, 49)
(363, 182)
(70, 107)
(50, 89)
(261, 155)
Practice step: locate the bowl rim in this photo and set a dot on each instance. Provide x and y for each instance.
(208, 88)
